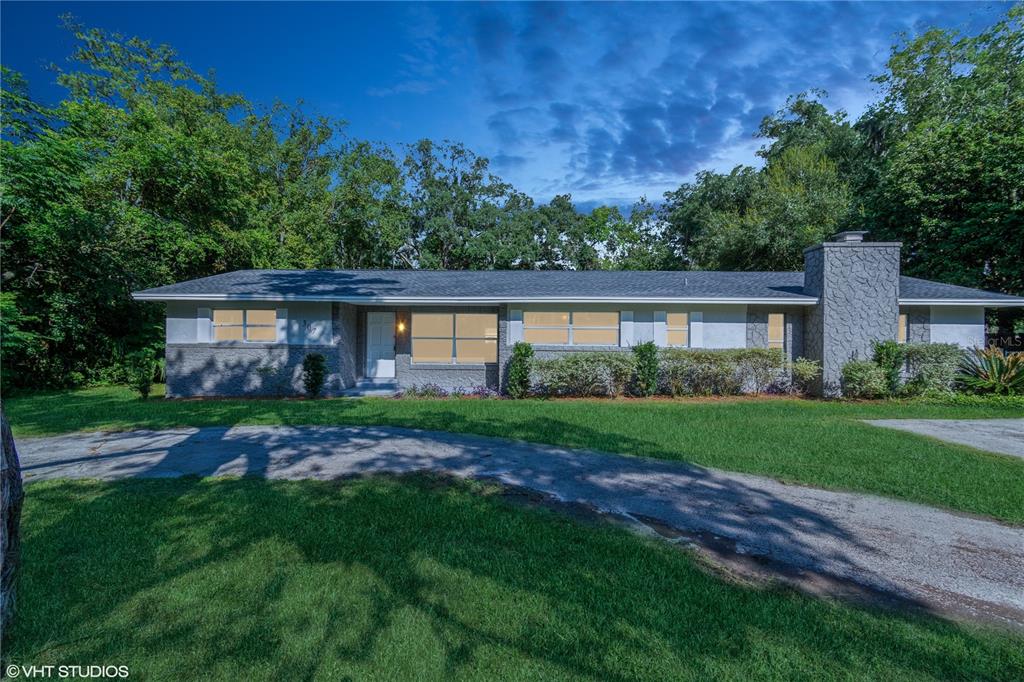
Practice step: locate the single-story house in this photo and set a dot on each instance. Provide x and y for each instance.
(247, 332)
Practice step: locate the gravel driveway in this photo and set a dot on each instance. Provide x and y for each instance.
(943, 561)
(1005, 436)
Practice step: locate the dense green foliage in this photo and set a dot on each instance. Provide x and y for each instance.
(148, 173)
(421, 578)
(140, 366)
(931, 367)
(519, 368)
(688, 371)
(834, 447)
(646, 355)
(890, 357)
(864, 379)
(803, 373)
(993, 370)
(314, 372)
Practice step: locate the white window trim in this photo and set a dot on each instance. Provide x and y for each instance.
(689, 324)
(454, 340)
(276, 326)
(571, 326)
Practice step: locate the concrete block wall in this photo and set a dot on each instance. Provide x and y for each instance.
(267, 370)
(858, 286)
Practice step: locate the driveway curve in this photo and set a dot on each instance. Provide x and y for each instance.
(943, 561)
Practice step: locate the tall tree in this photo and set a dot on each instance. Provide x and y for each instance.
(949, 139)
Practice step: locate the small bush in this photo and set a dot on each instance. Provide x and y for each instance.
(424, 391)
(888, 356)
(803, 373)
(519, 370)
(931, 367)
(645, 356)
(314, 372)
(863, 379)
(992, 370)
(140, 367)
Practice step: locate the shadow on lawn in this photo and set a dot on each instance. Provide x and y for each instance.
(679, 494)
(294, 580)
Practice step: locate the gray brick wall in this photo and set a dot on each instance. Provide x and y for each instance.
(344, 327)
(858, 286)
(195, 370)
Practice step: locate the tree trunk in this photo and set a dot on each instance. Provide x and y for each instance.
(11, 497)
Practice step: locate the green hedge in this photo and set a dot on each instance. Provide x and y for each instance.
(679, 372)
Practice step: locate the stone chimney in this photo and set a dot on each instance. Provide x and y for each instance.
(857, 285)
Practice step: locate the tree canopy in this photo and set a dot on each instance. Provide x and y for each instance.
(147, 173)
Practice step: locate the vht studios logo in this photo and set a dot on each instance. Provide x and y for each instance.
(68, 672)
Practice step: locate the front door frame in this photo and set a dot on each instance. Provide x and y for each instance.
(380, 357)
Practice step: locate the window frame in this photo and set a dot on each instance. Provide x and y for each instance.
(779, 343)
(669, 328)
(244, 325)
(571, 326)
(453, 338)
(902, 328)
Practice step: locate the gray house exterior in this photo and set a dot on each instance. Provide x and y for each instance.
(247, 332)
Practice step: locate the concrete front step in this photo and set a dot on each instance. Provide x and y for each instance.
(372, 388)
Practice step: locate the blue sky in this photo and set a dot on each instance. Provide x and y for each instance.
(605, 101)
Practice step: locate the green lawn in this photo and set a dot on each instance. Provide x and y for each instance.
(813, 442)
(419, 578)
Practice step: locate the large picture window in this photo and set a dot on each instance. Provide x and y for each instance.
(245, 325)
(580, 328)
(459, 338)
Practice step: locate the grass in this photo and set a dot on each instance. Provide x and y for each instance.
(229, 579)
(816, 443)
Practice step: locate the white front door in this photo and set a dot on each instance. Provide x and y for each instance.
(380, 345)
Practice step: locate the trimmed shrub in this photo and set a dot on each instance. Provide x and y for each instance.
(620, 369)
(863, 379)
(519, 370)
(645, 355)
(576, 374)
(140, 367)
(314, 372)
(686, 371)
(889, 357)
(931, 367)
(760, 367)
(992, 370)
(803, 373)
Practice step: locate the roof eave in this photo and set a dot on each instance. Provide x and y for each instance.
(983, 302)
(475, 300)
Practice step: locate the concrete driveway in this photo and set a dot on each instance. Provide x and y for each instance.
(943, 561)
(1005, 436)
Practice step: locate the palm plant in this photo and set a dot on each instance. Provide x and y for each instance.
(991, 370)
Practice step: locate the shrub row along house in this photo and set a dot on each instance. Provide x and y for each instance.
(247, 332)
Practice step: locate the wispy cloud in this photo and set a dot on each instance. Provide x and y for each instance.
(610, 100)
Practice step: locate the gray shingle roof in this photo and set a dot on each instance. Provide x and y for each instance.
(518, 285)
